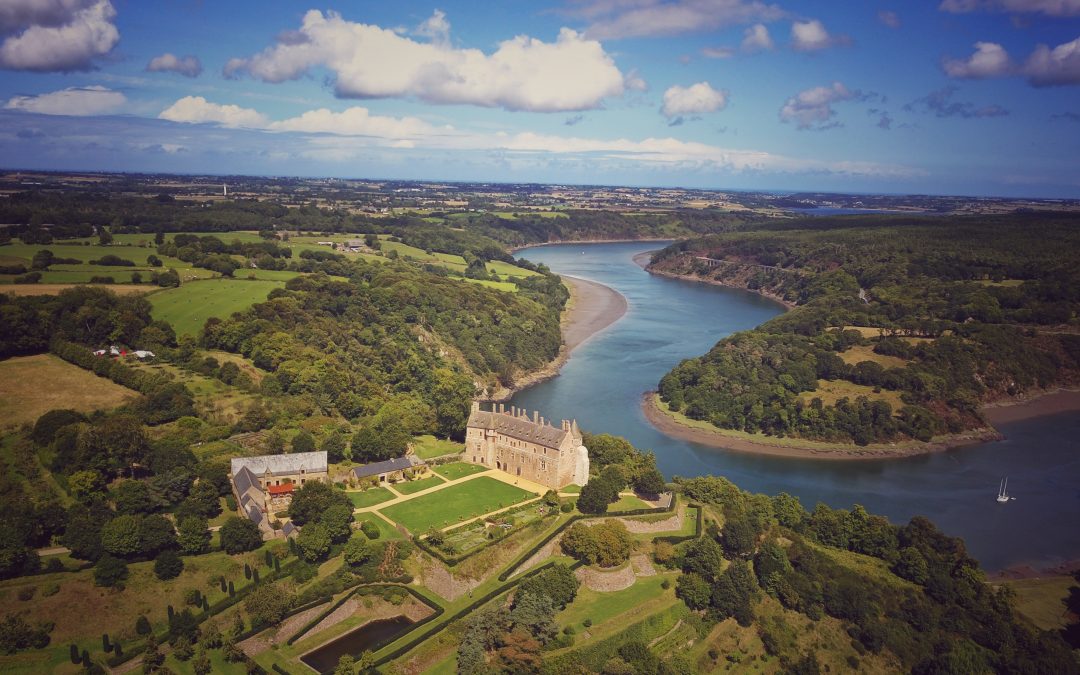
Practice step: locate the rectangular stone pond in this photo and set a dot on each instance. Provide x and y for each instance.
(355, 642)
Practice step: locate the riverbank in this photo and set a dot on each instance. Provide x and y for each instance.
(695, 431)
(591, 309)
(715, 282)
(1049, 402)
(515, 249)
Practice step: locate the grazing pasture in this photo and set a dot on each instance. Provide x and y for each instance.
(189, 306)
(30, 386)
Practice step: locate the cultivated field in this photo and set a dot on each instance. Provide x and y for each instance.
(30, 386)
(189, 306)
(455, 503)
(54, 289)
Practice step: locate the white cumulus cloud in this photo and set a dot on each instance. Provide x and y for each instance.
(693, 100)
(756, 38)
(647, 18)
(812, 108)
(1045, 67)
(1047, 7)
(1048, 67)
(55, 35)
(188, 66)
(81, 101)
(989, 60)
(354, 121)
(358, 121)
(811, 36)
(197, 110)
(523, 73)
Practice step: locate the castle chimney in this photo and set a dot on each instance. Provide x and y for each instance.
(536, 416)
(565, 425)
(476, 406)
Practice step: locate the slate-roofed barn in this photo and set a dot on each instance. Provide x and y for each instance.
(296, 468)
(508, 440)
(390, 469)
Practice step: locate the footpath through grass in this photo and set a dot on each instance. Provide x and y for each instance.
(189, 306)
(454, 504)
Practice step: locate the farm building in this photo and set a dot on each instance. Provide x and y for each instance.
(508, 440)
(391, 470)
(264, 485)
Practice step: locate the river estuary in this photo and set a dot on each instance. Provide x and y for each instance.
(669, 320)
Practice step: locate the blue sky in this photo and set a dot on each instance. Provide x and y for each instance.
(976, 97)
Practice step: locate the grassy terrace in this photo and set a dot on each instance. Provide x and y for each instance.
(413, 486)
(370, 497)
(455, 503)
(456, 470)
(428, 446)
(600, 607)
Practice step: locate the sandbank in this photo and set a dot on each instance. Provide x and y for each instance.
(592, 308)
(1045, 403)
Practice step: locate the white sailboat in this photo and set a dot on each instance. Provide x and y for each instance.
(1003, 491)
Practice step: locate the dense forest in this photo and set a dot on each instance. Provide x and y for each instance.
(947, 314)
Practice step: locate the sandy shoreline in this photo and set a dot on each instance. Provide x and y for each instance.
(592, 308)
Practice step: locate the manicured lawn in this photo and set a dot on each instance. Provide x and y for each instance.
(628, 503)
(370, 497)
(571, 489)
(413, 486)
(455, 470)
(428, 446)
(455, 503)
(30, 386)
(188, 307)
(600, 607)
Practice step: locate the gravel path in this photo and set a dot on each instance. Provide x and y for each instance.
(642, 566)
(605, 582)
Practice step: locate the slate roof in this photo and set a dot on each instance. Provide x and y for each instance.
(244, 480)
(396, 464)
(289, 529)
(281, 464)
(520, 428)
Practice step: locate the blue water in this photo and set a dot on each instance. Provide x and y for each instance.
(669, 320)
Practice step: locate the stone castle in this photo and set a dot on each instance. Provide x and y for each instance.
(505, 438)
